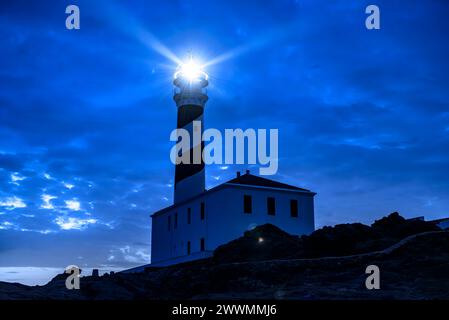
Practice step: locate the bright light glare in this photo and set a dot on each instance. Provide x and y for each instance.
(191, 70)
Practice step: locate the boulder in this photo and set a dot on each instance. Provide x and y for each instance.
(265, 242)
(397, 227)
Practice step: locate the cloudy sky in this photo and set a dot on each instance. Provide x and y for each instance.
(85, 115)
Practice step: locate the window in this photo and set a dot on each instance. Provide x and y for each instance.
(176, 221)
(169, 223)
(247, 204)
(188, 247)
(202, 245)
(294, 208)
(271, 206)
(189, 215)
(202, 211)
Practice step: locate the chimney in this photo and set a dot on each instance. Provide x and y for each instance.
(247, 171)
(95, 273)
(238, 174)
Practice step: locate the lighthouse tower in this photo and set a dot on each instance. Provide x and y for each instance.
(192, 227)
(190, 95)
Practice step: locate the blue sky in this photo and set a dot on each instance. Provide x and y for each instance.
(86, 115)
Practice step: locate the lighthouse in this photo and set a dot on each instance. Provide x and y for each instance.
(190, 95)
(201, 220)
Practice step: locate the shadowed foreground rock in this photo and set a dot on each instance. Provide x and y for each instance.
(342, 239)
(282, 266)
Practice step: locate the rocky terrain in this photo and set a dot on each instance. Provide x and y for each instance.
(267, 263)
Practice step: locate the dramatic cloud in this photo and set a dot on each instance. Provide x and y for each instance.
(73, 205)
(69, 186)
(15, 178)
(46, 199)
(12, 203)
(69, 223)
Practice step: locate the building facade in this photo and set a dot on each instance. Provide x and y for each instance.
(192, 229)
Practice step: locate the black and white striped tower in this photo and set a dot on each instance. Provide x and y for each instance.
(190, 97)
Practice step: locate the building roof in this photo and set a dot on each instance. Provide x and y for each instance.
(439, 220)
(243, 180)
(252, 180)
